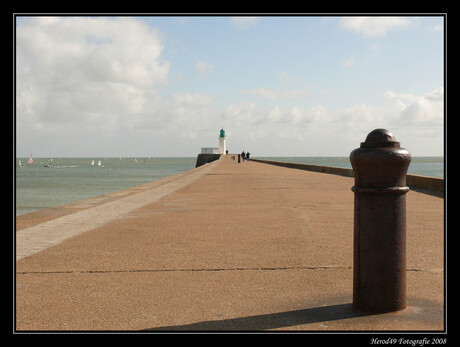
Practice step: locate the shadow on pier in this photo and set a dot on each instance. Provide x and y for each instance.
(274, 320)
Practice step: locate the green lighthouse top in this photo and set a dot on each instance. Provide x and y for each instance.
(222, 133)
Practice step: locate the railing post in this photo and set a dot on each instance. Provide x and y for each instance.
(379, 245)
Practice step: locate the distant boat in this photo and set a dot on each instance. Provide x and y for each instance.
(20, 164)
(99, 164)
(31, 161)
(49, 163)
(92, 162)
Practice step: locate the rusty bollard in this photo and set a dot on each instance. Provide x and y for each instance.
(379, 240)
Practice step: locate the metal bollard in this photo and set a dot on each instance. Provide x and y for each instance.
(379, 240)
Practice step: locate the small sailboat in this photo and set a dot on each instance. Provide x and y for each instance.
(31, 161)
(99, 164)
(20, 164)
(49, 163)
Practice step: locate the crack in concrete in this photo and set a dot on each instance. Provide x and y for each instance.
(193, 270)
(212, 270)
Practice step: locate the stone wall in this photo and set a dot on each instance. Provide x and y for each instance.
(434, 184)
(206, 158)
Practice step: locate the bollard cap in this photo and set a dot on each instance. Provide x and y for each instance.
(379, 138)
(380, 163)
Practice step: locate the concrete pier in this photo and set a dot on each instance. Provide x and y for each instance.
(225, 246)
(202, 159)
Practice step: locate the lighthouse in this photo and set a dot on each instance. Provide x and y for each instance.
(222, 142)
(209, 154)
(217, 150)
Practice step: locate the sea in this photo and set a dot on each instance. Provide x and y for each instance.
(51, 182)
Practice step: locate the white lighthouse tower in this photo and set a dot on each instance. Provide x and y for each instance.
(222, 142)
(217, 150)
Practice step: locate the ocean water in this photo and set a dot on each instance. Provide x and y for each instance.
(72, 179)
(425, 166)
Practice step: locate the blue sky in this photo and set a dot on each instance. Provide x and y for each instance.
(279, 85)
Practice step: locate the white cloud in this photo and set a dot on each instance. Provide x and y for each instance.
(181, 112)
(416, 120)
(84, 75)
(349, 62)
(263, 92)
(419, 121)
(273, 95)
(203, 67)
(358, 118)
(283, 77)
(91, 85)
(295, 119)
(423, 111)
(244, 23)
(438, 28)
(376, 46)
(373, 26)
(75, 68)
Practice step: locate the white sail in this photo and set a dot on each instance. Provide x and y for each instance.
(92, 162)
(99, 163)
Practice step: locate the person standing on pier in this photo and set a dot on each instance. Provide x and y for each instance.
(243, 156)
(247, 156)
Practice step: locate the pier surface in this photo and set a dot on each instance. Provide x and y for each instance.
(225, 246)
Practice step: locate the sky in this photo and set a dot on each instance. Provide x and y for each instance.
(163, 86)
